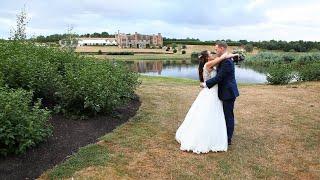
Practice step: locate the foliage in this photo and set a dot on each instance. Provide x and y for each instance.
(21, 126)
(19, 33)
(279, 74)
(2, 84)
(296, 46)
(175, 51)
(310, 72)
(248, 47)
(71, 83)
(120, 53)
(304, 65)
(96, 86)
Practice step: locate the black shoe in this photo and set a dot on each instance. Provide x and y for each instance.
(229, 142)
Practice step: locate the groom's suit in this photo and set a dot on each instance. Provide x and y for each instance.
(227, 91)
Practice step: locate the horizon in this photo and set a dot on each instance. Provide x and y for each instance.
(252, 20)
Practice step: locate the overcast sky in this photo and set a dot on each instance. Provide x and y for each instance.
(203, 19)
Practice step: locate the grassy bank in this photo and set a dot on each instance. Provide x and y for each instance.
(276, 137)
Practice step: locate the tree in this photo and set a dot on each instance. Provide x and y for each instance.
(19, 33)
(70, 42)
(248, 47)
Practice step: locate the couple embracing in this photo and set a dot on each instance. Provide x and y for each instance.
(209, 123)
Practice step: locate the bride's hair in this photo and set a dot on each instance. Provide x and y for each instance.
(203, 58)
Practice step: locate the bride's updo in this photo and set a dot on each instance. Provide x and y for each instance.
(203, 58)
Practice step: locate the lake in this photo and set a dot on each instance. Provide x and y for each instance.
(187, 69)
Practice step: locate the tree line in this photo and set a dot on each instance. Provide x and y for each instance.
(291, 46)
(57, 37)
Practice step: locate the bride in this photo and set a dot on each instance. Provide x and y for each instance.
(204, 127)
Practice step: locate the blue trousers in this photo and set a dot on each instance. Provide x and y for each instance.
(228, 106)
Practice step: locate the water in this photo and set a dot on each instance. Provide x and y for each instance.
(187, 69)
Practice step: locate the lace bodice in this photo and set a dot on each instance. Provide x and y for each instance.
(208, 75)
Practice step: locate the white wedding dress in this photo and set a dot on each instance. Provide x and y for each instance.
(204, 127)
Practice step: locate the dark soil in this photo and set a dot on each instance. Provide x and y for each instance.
(68, 137)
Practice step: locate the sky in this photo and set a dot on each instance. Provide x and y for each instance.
(254, 20)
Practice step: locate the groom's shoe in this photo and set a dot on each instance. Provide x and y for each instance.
(229, 142)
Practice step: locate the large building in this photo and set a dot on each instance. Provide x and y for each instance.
(97, 42)
(138, 40)
(124, 41)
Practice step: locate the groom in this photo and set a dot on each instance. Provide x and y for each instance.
(227, 87)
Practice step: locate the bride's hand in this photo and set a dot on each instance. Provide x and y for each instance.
(226, 56)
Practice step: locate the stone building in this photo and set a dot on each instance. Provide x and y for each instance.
(139, 40)
(97, 42)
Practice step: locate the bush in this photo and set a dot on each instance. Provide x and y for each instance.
(39, 69)
(183, 52)
(310, 72)
(99, 52)
(1, 80)
(69, 82)
(21, 126)
(279, 74)
(120, 53)
(175, 51)
(96, 86)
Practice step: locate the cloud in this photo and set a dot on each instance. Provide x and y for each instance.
(206, 19)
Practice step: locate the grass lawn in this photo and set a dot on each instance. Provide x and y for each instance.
(145, 57)
(276, 137)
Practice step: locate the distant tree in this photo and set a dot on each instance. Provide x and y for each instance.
(248, 47)
(104, 34)
(174, 45)
(19, 33)
(70, 41)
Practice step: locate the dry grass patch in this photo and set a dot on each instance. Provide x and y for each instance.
(276, 136)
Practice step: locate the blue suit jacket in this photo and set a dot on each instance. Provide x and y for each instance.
(226, 81)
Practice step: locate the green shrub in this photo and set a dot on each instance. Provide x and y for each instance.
(21, 126)
(1, 80)
(96, 86)
(65, 80)
(39, 69)
(175, 51)
(279, 74)
(309, 72)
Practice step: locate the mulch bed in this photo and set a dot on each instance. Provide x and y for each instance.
(68, 137)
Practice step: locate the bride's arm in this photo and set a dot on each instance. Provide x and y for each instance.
(217, 60)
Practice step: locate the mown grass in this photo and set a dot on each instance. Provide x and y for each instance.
(276, 137)
(145, 57)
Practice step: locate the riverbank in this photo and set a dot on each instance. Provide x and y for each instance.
(276, 137)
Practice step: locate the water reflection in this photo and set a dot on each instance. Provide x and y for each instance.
(187, 69)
